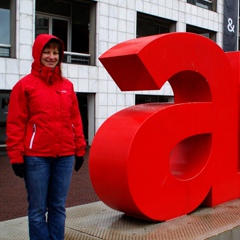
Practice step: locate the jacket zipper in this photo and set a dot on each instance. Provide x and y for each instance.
(33, 136)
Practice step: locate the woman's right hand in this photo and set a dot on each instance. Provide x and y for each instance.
(18, 169)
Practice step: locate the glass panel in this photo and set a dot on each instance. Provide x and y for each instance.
(60, 30)
(5, 26)
(204, 4)
(202, 31)
(72, 22)
(54, 7)
(146, 28)
(208, 4)
(42, 25)
(149, 25)
(5, 51)
(4, 101)
(78, 59)
(80, 29)
(140, 99)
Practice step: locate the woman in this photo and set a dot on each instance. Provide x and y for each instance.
(44, 137)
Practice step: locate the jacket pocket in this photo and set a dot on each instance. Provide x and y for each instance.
(33, 136)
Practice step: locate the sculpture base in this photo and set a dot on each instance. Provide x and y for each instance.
(97, 221)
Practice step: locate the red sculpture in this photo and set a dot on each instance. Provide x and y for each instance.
(160, 161)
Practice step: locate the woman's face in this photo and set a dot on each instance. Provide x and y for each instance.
(50, 57)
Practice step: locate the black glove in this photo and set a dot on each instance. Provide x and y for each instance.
(18, 169)
(78, 163)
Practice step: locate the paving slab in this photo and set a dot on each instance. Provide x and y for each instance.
(97, 221)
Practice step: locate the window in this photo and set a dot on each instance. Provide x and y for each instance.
(7, 34)
(151, 25)
(207, 33)
(140, 99)
(74, 23)
(4, 101)
(207, 4)
(238, 25)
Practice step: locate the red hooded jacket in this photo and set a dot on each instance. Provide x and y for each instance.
(43, 116)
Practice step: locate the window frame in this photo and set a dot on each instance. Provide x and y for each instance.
(12, 32)
(155, 20)
(143, 98)
(201, 31)
(51, 17)
(85, 58)
(210, 5)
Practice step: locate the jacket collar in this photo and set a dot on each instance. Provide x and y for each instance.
(49, 75)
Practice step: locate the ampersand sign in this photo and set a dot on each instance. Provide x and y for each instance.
(230, 25)
(159, 161)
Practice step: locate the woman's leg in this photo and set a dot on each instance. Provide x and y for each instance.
(36, 181)
(60, 178)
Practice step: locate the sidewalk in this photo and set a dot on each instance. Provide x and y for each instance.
(97, 221)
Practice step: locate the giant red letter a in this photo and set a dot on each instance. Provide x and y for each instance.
(159, 161)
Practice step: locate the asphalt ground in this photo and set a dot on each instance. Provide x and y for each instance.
(13, 197)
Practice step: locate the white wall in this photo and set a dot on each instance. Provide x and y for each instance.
(116, 22)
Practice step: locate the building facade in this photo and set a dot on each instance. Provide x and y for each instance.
(89, 28)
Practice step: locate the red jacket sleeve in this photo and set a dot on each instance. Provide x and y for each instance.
(16, 123)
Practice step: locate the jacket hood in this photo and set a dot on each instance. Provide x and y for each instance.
(40, 41)
(43, 72)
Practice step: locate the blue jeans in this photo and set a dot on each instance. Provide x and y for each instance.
(47, 182)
